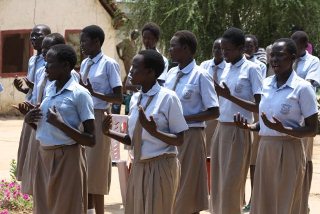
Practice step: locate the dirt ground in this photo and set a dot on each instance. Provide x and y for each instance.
(9, 137)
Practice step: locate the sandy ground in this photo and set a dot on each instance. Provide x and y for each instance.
(9, 137)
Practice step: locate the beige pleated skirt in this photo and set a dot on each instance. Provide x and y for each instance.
(279, 175)
(209, 130)
(60, 182)
(308, 146)
(254, 148)
(192, 195)
(23, 147)
(99, 159)
(29, 165)
(152, 186)
(229, 166)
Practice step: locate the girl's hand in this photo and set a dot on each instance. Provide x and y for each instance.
(222, 91)
(149, 125)
(54, 117)
(106, 123)
(277, 125)
(34, 115)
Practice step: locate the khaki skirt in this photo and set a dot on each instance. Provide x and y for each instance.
(254, 148)
(29, 165)
(209, 130)
(23, 147)
(279, 175)
(152, 185)
(192, 195)
(229, 166)
(99, 159)
(60, 182)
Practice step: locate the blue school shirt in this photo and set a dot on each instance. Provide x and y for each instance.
(33, 66)
(75, 105)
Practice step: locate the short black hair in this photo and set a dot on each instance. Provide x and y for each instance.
(254, 38)
(186, 37)
(93, 32)
(45, 28)
(154, 60)
(153, 28)
(289, 44)
(300, 36)
(235, 36)
(64, 53)
(55, 38)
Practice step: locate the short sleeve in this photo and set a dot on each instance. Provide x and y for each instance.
(113, 70)
(308, 101)
(176, 120)
(208, 93)
(314, 71)
(85, 106)
(256, 80)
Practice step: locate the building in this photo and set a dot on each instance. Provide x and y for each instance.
(65, 17)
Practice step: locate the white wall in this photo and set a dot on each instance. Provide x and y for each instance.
(59, 15)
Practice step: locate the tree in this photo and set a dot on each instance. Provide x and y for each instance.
(208, 19)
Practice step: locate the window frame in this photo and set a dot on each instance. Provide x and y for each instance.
(3, 34)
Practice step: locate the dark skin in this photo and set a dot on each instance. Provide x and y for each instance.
(146, 78)
(36, 37)
(233, 54)
(60, 71)
(91, 48)
(216, 52)
(281, 62)
(183, 56)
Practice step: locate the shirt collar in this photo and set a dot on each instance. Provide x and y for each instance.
(70, 85)
(304, 58)
(153, 91)
(189, 67)
(239, 63)
(221, 65)
(97, 58)
(291, 82)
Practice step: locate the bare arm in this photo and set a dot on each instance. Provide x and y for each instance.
(308, 130)
(209, 114)
(85, 138)
(247, 105)
(151, 127)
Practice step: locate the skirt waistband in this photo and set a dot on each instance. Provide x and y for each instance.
(280, 138)
(57, 146)
(227, 123)
(163, 156)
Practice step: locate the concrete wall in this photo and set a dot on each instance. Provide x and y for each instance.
(60, 15)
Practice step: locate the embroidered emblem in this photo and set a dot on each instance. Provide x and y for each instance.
(285, 108)
(187, 93)
(238, 88)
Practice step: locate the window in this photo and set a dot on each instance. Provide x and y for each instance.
(15, 51)
(72, 38)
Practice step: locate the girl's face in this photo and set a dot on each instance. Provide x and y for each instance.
(216, 49)
(176, 50)
(88, 46)
(280, 59)
(138, 73)
(249, 47)
(46, 45)
(54, 68)
(36, 37)
(149, 40)
(230, 51)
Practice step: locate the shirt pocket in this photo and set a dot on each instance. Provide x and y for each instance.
(189, 92)
(243, 86)
(161, 122)
(290, 106)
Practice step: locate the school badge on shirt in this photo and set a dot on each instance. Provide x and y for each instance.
(285, 108)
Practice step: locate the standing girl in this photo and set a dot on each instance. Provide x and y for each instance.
(60, 182)
(241, 80)
(156, 126)
(195, 90)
